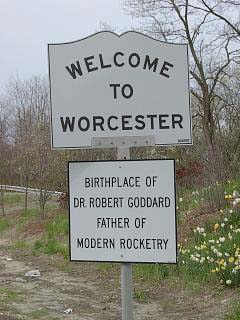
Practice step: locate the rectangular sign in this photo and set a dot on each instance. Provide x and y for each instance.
(118, 86)
(123, 211)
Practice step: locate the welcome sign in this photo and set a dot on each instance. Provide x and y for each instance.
(114, 86)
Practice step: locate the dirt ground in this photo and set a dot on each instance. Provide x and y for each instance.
(92, 292)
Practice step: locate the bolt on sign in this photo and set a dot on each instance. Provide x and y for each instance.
(123, 211)
(118, 86)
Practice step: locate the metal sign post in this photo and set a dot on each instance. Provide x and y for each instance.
(126, 268)
(126, 291)
(123, 145)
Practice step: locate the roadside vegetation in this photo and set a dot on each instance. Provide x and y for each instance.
(209, 241)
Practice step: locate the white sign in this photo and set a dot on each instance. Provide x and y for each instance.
(115, 86)
(122, 211)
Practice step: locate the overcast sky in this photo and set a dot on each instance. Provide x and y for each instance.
(27, 26)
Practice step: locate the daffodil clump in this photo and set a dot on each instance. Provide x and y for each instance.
(216, 250)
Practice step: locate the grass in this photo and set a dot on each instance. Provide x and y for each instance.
(41, 313)
(4, 224)
(54, 239)
(151, 272)
(20, 245)
(140, 295)
(13, 198)
(27, 215)
(58, 226)
(8, 295)
(234, 314)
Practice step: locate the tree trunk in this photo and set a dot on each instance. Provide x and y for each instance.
(42, 203)
(26, 199)
(2, 201)
(214, 169)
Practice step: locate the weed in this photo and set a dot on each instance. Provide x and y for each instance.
(235, 312)
(20, 244)
(38, 244)
(13, 198)
(53, 246)
(40, 313)
(27, 215)
(4, 224)
(140, 295)
(7, 295)
(57, 227)
(151, 272)
(54, 238)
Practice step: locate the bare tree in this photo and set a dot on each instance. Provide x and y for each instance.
(211, 54)
(4, 150)
(34, 157)
(220, 10)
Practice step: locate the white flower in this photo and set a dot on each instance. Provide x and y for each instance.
(236, 194)
(236, 201)
(230, 211)
(180, 199)
(222, 224)
(228, 281)
(222, 239)
(226, 219)
(211, 241)
(202, 260)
